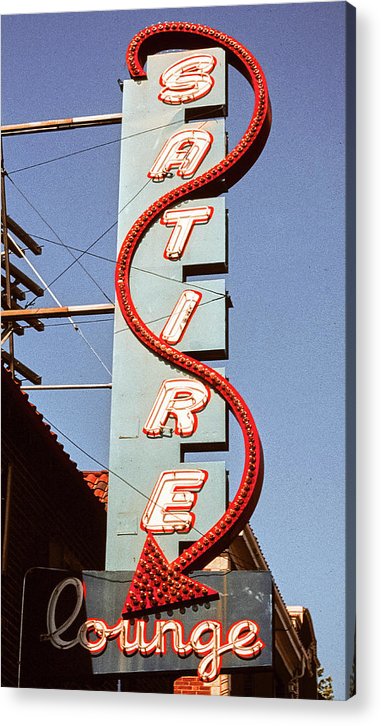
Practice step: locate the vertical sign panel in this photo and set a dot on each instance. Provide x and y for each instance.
(163, 141)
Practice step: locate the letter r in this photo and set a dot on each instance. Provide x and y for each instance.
(181, 398)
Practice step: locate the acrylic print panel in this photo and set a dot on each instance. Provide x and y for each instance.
(202, 177)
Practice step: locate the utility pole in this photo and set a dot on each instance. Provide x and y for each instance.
(62, 124)
(8, 293)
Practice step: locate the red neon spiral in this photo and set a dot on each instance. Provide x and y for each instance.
(231, 168)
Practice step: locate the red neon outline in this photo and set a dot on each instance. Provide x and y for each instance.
(185, 143)
(193, 411)
(196, 304)
(230, 168)
(197, 97)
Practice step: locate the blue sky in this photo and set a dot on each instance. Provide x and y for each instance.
(286, 231)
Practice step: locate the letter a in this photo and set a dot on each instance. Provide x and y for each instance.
(185, 151)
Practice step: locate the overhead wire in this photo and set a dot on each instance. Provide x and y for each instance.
(164, 317)
(75, 326)
(105, 468)
(81, 333)
(83, 322)
(107, 320)
(133, 267)
(95, 146)
(121, 330)
(104, 143)
(77, 259)
(59, 240)
(136, 489)
(84, 252)
(87, 251)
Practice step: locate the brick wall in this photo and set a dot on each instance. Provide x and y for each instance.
(193, 686)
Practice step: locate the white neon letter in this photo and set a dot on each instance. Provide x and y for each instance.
(244, 638)
(181, 398)
(210, 665)
(179, 319)
(183, 221)
(187, 80)
(54, 632)
(174, 495)
(185, 151)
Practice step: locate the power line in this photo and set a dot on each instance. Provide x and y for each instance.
(59, 240)
(105, 468)
(164, 277)
(133, 267)
(236, 560)
(105, 143)
(164, 317)
(107, 320)
(96, 146)
(108, 229)
(76, 249)
(83, 336)
(87, 250)
(75, 326)
(77, 259)
(56, 300)
(83, 322)
(84, 252)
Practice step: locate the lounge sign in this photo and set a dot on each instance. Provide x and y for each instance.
(64, 637)
(170, 516)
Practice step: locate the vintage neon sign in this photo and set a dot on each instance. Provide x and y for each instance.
(184, 151)
(158, 585)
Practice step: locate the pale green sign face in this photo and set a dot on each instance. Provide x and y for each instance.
(158, 282)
